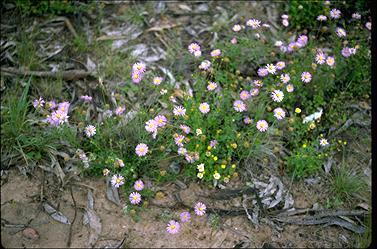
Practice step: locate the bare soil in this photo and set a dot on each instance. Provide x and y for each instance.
(19, 205)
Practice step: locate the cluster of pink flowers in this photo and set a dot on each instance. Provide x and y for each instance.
(347, 52)
(138, 70)
(194, 49)
(152, 125)
(59, 112)
(321, 58)
(174, 227)
(284, 20)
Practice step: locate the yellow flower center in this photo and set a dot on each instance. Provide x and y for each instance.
(141, 149)
(118, 180)
(200, 209)
(172, 226)
(261, 125)
(134, 197)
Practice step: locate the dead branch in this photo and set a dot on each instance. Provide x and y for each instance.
(65, 75)
(73, 221)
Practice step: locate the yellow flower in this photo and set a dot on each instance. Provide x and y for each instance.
(200, 175)
(345, 142)
(223, 166)
(162, 172)
(304, 146)
(197, 146)
(209, 147)
(215, 158)
(218, 131)
(226, 179)
(233, 166)
(297, 110)
(312, 125)
(216, 175)
(234, 145)
(238, 135)
(208, 153)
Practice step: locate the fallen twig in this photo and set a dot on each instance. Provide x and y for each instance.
(73, 221)
(65, 75)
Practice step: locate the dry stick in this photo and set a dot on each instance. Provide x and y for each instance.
(74, 218)
(65, 75)
(70, 27)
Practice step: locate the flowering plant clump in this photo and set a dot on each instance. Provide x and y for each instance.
(247, 92)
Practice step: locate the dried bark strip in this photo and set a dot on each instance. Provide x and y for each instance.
(65, 75)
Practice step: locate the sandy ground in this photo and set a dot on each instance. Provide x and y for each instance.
(19, 205)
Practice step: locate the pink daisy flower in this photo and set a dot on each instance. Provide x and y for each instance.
(173, 227)
(346, 52)
(38, 103)
(279, 113)
(136, 77)
(179, 111)
(63, 107)
(139, 67)
(182, 151)
(254, 92)
(285, 78)
(119, 110)
(211, 86)
(280, 65)
(151, 126)
(247, 120)
(321, 18)
(193, 47)
(216, 53)
(141, 149)
(179, 140)
(135, 198)
(341, 32)
(239, 106)
(51, 104)
(234, 40)
(197, 53)
(204, 108)
(200, 209)
(117, 181)
(139, 185)
(335, 13)
(290, 88)
(213, 143)
(320, 58)
(285, 22)
(189, 158)
(185, 216)
(302, 40)
(157, 80)
(186, 129)
(161, 120)
(306, 77)
(277, 95)
(262, 72)
(244, 95)
(330, 61)
(237, 28)
(262, 125)
(90, 131)
(253, 23)
(271, 68)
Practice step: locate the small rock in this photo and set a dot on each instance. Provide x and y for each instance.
(30, 233)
